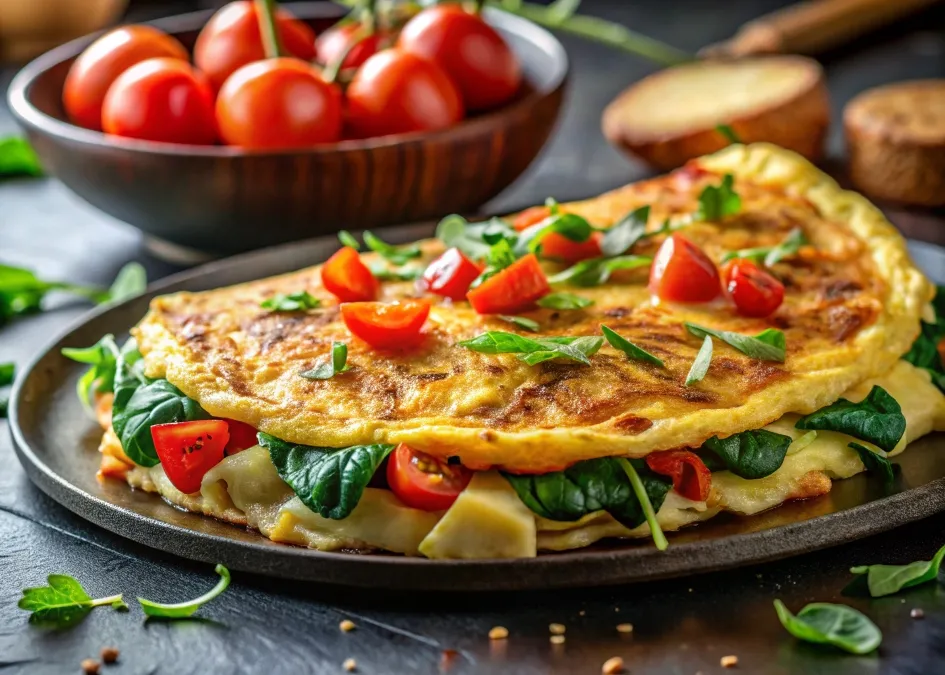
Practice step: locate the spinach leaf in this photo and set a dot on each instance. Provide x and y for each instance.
(888, 579)
(534, 351)
(924, 351)
(624, 345)
(130, 281)
(17, 158)
(771, 255)
(564, 301)
(397, 255)
(750, 454)
(877, 419)
(63, 603)
(700, 366)
(768, 345)
(597, 271)
(522, 322)
(837, 625)
(329, 481)
(625, 233)
(717, 202)
(182, 610)
(100, 377)
(347, 239)
(293, 302)
(337, 364)
(875, 463)
(728, 133)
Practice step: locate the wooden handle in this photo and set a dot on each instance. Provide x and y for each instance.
(812, 27)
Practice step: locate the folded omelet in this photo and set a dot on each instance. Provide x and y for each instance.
(854, 305)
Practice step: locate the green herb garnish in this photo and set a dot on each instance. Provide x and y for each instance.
(63, 603)
(771, 255)
(717, 202)
(293, 302)
(877, 419)
(182, 610)
(888, 579)
(17, 158)
(568, 225)
(403, 274)
(924, 352)
(564, 301)
(7, 373)
(700, 366)
(347, 239)
(522, 322)
(131, 281)
(397, 255)
(535, 351)
(597, 271)
(768, 345)
(624, 345)
(728, 133)
(875, 463)
(837, 625)
(337, 364)
(625, 233)
(102, 357)
(750, 454)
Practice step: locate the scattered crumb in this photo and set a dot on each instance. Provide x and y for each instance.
(498, 633)
(350, 665)
(347, 626)
(612, 666)
(557, 639)
(624, 628)
(728, 661)
(90, 667)
(917, 613)
(110, 654)
(582, 613)
(556, 628)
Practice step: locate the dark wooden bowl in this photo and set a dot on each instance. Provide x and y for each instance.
(222, 200)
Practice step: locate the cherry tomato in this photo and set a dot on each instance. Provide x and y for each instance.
(755, 292)
(515, 288)
(395, 92)
(231, 39)
(450, 275)
(103, 61)
(348, 278)
(331, 44)
(161, 100)
(691, 478)
(242, 436)
(387, 326)
(682, 272)
(471, 52)
(278, 104)
(425, 483)
(188, 450)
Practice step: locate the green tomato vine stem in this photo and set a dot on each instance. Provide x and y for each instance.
(266, 12)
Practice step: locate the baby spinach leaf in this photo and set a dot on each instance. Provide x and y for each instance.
(728, 133)
(534, 351)
(771, 255)
(7, 373)
(876, 463)
(329, 481)
(700, 366)
(293, 302)
(347, 239)
(182, 610)
(888, 579)
(337, 364)
(522, 322)
(877, 419)
(924, 352)
(100, 377)
(750, 454)
(837, 625)
(564, 301)
(768, 345)
(624, 345)
(630, 229)
(17, 158)
(717, 202)
(63, 603)
(597, 271)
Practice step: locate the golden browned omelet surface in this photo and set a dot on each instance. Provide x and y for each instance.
(852, 307)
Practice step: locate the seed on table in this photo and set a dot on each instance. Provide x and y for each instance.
(350, 665)
(728, 661)
(498, 633)
(109, 654)
(557, 639)
(556, 628)
(347, 626)
(612, 666)
(624, 628)
(90, 667)
(917, 613)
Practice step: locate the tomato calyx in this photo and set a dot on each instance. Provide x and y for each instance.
(188, 450)
(691, 478)
(424, 482)
(348, 278)
(450, 275)
(515, 288)
(682, 272)
(755, 292)
(387, 325)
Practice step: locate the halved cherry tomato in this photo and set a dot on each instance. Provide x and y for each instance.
(395, 92)
(754, 291)
(94, 71)
(691, 478)
(162, 100)
(422, 482)
(471, 52)
(516, 287)
(682, 272)
(278, 104)
(450, 275)
(188, 450)
(242, 436)
(231, 39)
(331, 44)
(387, 325)
(348, 278)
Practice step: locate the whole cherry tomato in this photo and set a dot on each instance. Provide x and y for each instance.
(331, 44)
(94, 71)
(423, 482)
(232, 38)
(755, 292)
(387, 325)
(188, 450)
(348, 278)
(278, 104)
(515, 288)
(450, 275)
(471, 52)
(161, 100)
(395, 92)
(682, 272)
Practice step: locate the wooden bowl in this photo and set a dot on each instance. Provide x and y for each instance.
(221, 200)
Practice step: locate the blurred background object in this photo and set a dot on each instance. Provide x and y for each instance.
(30, 27)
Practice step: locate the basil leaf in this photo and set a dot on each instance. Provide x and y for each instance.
(837, 625)
(728, 133)
(347, 239)
(405, 274)
(293, 302)
(771, 255)
(888, 579)
(568, 225)
(564, 301)
(877, 419)
(329, 481)
(768, 345)
(624, 345)
(875, 463)
(750, 454)
(17, 158)
(397, 255)
(325, 371)
(700, 366)
(499, 257)
(63, 603)
(182, 610)
(534, 351)
(471, 238)
(500, 342)
(522, 322)
(717, 202)
(597, 271)
(577, 349)
(628, 231)
(7, 373)
(100, 377)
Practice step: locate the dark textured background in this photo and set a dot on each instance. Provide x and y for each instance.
(261, 625)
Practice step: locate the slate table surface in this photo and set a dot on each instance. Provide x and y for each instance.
(266, 626)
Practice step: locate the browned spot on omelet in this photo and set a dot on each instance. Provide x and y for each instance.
(631, 424)
(811, 484)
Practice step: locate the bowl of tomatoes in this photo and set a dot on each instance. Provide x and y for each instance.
(228, 131)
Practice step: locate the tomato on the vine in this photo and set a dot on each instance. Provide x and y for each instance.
(231, 39)
(188, 450)
(339, 39)
(161, 99)
(95, 69)
(348, 278)
(472, 53)
(682, 272)
(387, 325)
(278, 104)
(395, 92)
(424, 482)
(755, 292)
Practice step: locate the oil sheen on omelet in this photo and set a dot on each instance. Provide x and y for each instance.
(852, 308)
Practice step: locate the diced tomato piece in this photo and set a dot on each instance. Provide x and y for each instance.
(188, 450)
(682, 272)
(754, 291)
(530, 216)
(515, 288)
(348, 278)
(242, 436)
(691, 478)
(422, 482)
(387, 326)
(558, 247)
(450, 275)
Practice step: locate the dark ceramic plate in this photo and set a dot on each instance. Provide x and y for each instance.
(56, 443)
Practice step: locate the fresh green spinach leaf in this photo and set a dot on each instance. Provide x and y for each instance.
(875, 463)
(102, 357)
(837, 625)
(63, 603)
(597, 271)
(768, 345)
(522, 322)
(877, 419)
(131, 281)
(888, 579)
(182, 610)
(17, 158)
(337, 364)
(700, 365)
(630, 229)
(924, 352)
(717, 202)
(632, 351)
(534, 351)
(750, 454)
(564, 301)
(293, 302)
